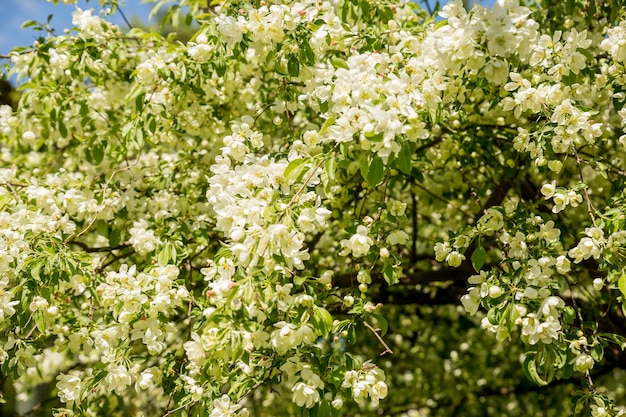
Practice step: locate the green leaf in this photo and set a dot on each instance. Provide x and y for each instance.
(34, 272)
(339, 63)
(140, 101)
(479, 256)
(62, 128)
(100, 376)
(293, 165)
(84, 110)
(440, 24)
(351, 334)
(164, 255)
(403, 160)
(293, 66)
(29, 23)
(102, 227)
(389, 273)
(152, 124)
(530, 369)
(298, 280)
(98, 152)
(364, 168)
(40, 321)
(114, 238)
(307, 53)
(270, 57)
(375, 137)
(327, 124)
(296, 170)
(279, 68)
(613, 338)
(597, 352)
(330, 166)
(322, 320)
(375, 171)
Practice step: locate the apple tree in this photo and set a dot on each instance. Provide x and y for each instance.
(317, 208)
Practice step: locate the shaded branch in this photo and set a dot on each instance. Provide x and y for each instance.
(89, 249)
(432, 296)
(418, 277)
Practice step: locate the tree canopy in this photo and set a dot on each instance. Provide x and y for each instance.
(317, 208)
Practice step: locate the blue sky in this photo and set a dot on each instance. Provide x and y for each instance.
(15, 12)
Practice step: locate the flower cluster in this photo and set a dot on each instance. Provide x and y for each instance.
(369, 381)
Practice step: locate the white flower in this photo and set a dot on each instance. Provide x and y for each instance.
(550, 305)
(200, 52)
(546, 331)
(563, 265)
(598, 284)
(549, 233)
(471, 300)
(560, 202)
(490, 222)
(495, 291)
(285, 337)
(398, 237)
(148, 378)
(69, 386)
(6, 305)
(455, 259)
(548, 190)
(585, 249)
(583, 363)
(223, 408)
(146, 73)
(305, 395)
(369, 381)
(442, 250)
(90, 25)
(517, 246)
(359, 244)
(38, 303)
(230, 28)
(337, 403)
(599, 409)
(142, 239)
(118, 378)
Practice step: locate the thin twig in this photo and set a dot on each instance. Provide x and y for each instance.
(448, 202)
(569, 286)
(428, 7)
(472, 190)
(590, 208)
(380, 339)
(30, 333)
(119, 9)
(175, 410)
(89, 249)
(428, 145)
(305, 183)
(8, 184)
(103, 204)
(114, 258)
